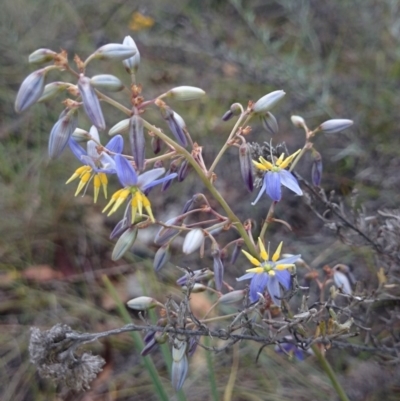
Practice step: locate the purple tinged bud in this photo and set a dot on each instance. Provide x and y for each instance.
(172, 169)
(316, 169)
(131, 64)
(107, 82)
(164, 235)
(150, 346)
(193, 342)
(236, 251)
(161, 257)
(227, 116)
(61, 133)
(51, 90)
(218, 268)
(246, 166)
(176, 124)
(188, 205)
(334, 126)
(195, 276)
(269, 123)
(183, 170)
(41, 56)
(267, 102)
(121, 226)
(194, 240)
(179, 373)
(121, 127)
(115, 51)
(91, 103)
(186, 93)
(124, 243)
(156, 143)
(30, 90)
(142, 303)
(232, 297)
(136, 138)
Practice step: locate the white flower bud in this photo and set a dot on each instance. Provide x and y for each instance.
(114, 51)
(179, 373)
(334, 126)
(107, 82)
(186, 93)
(121, 127)
(80, 135)
(52, 89)
(124, 243)
(131, 64)
(193, 240)
(197, 287)
(41, 56)
(267, 102)
(232, 297)
(298, 121)
(178, 350)
(142, 303)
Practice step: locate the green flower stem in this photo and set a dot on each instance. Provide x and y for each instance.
(267, 219)
(211, 371)
(137, 341)
(217, 196)
(226, 145)
(114, 103)
(330, 373)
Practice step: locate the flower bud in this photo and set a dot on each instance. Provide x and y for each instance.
(195, 276)
(316, 169)
(91, 103)
(234, 110)
(218, 268)
(186, 93)
(121, 127)
(107, 82)
(136, 138)
(178, 350)
(161, 257)
(342, 282)
(236, 252)
(193, 241)
(80, 135)
(156, 143)
(150, 346)
(197, 287)
(267, 102)
(41, 56)
(61, 133)
(52, 89)
(115, 51)
(183, 170)
(176, 124)
(269, 123)
(232, 297)
(131, 64)
(30, 90)
(172, 169)
(165, 234)
(142, 303)
(179, 373)
(124, 243)
(334, 126)
(298, 121)
(246, 166)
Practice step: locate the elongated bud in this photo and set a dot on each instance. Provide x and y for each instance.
(156, 143)
(173, 168)
(232, 297)
(218, 268)
(316, 169)
(186, 93)
(178, 350)
(107, 82)
(165, 234)
(161, 257)
(136, 138)
(124, 243)
(246, 166)
(61, 133)
(80, 135)
(236, 251)
(142, 303)
(234, 110)
(114, 51)
(131, 64)
(91, 103)
(342, 282)
(193, 241)
(269, 123)
(197, 287)
(150, 346)
(52, 89)
(176, 124)
(30, 90)
(195, 276)
(121, 127)
(188, 205)
(41, 56)
(267, 102)
(179, 373)
(183, 170)
(334, 126)
(298, 121)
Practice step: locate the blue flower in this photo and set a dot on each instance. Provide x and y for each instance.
(290, 349)
(268, 274)
(276, 176)
(97, 162)
(134, 186)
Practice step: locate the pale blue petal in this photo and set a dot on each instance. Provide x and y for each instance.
(149, 176)
(258, 284)
(273, 290)
(94, 133)
(272, 182)
(126, 173)
(115, 144)
(159, 181)
(107, 162)
(91, 147)
(288, 261)
(245, 276)
(289, 181)
(262, 190)
(76, 149)
(284, 278)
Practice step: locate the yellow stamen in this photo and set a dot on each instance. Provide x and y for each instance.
(78, 173)
(289, 159)
(280, 160)
(113, 199)
(147, 206)
(121, 199)
(257, 270)
(252, 259)
(284, 266)
(85, 177)
(277, 253)
(266, 163)
(271, 273)
(259, 165)
(263, 252)
(104, 182)
(96, 184)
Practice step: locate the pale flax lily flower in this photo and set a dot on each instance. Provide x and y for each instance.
(134, 186)
(97, 163)
(268, 274)
(275, 176)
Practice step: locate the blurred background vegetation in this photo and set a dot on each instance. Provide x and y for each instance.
(338, 59)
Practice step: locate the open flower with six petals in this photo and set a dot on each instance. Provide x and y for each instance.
(268, 274)
(275, 176)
